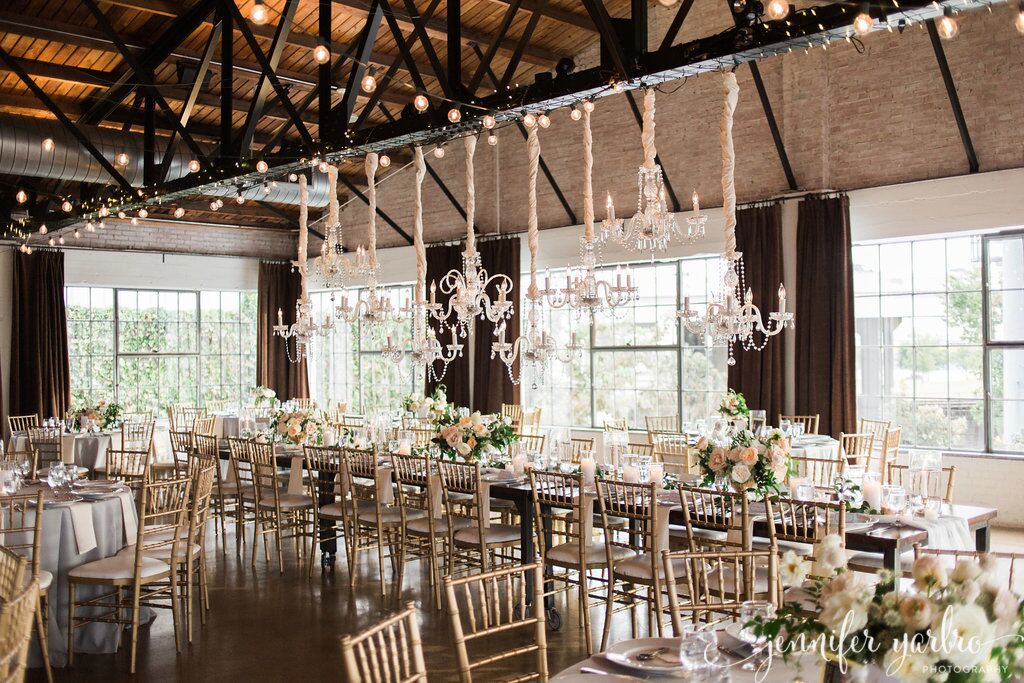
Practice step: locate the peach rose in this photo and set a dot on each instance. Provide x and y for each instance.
(717, 460)
(702, 443)
(748, 456)
(734, 454)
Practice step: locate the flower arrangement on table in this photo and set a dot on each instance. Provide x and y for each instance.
(432, 407)
(261, 394)
(297, 427)
(733, 405)
(748, 463)
(471, 435)
(953, 624)
(102, 414)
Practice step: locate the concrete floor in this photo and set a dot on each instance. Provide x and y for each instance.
(264, 626)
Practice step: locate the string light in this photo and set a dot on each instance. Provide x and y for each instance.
(239, 199)
(293, 177)
(22, 196)
(135, 220)
(488, 121)
(121, 215)
(368, 84)
(52, 242)
(266, 188)
(530, 120)
(588, 106)
(66, 206)
(384, 160)
(122, 159)
(77, 234)
(863, 23)
(321, 53)
(259, 14)
(492, 139)
(618, 86)
(43, 229)
(946, 25)
(193, 166)
(543, 121)
(89, 227)
(777, 9)
(179, 212)
(439, 152)
(104, 212)
(102, 225)
(60, 240)
(48, 144)
(421, 102)
(454, 115)
(575, 114)
(143, 213)
(262, 166)
(214, 206)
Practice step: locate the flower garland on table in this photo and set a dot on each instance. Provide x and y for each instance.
(102, 414)
(259, 394)
(953, 624)
(298, 427)
(470, 436)
(733, 405)
(749, 463)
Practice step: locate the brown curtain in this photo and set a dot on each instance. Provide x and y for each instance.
(759, 375)
(40, 369)
(442, 258)
(825, 355)
(279, 288)
(492, 385)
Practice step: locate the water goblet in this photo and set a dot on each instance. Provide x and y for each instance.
(750, 611)
(698, 653)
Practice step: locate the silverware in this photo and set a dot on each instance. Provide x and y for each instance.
(653, 654)
(609, 674)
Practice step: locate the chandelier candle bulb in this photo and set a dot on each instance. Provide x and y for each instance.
(696, 202)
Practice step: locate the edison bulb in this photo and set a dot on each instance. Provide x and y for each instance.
(384, 160)
(193, 166)
(135, 220)
(52, 242)
(89, 227)
(667, 3)
(259, 14)
(322, 54)
(322, 167)
(48, 144)
(454, 115)
(618, 86)
(121, 215)
(214, 206)
(488, 121)
(179, 212)
(266, 188)
(104, 212)
(862, 24)
(262, 166)
(239, 199)
(121, 159)
(543, 120)
(1019, 21)
(530, 120)
(21, 196)
(492, 139)
(588, 105)
(368, 84)
(43, 229)
(143, 213)
(66, 206)
(77, 234)
(421, 102)
(439, 152)
(777, 9)
(60, 240)
(575, 114)
(947, 26)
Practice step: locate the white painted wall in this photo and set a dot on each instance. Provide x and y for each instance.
(171, 271)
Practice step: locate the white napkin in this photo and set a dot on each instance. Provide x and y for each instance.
(128, 514)
(81, 520)
(944, 533)
(295, 475)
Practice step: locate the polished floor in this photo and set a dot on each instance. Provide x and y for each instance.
(264, 626)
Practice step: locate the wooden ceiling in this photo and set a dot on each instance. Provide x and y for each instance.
(65, 50)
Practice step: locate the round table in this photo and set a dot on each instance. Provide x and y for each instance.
(87, 450)
(815, 446)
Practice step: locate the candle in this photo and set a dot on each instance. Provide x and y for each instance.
(404, 448)
(280, 317)
(589, 469)
(873, 493)
(686, 304)
(610, 208)
(330, 436)
(630, 474)
(655, 472)
(518, 464)
(696, 202)
(782, 298)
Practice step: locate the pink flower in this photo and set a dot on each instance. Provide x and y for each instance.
(748, 456)
(734, 454)
(717, 460)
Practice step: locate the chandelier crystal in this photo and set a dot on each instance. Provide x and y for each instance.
(732, 317)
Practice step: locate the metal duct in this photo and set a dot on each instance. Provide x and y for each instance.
(22, 154)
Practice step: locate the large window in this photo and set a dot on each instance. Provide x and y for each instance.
(150, 348)
(940, 326)
(636, 361)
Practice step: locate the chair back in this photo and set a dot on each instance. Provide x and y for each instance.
(646, 449)
(48, 445)
(370, 657)
(857, 448)
(414, 487)
(804, 521)
(240, 461)
(708, 586)
(890, 448)
(423, 437)
(673, 449)
(353, 421)
(204, 425)
(821, 472)
(264, 473)
(514, 413)
(461, 477)
(12, 572)
(203, 476)
(182, 418)
(553, 493)
(532, 443)
(415, 422)
(531, 421)
(22, 527)
(16, 620)
(715, 519)
(323, 463)
(217, 405)
(1004, 565)
(129, 467)
(876, 428)
(205, 454)
(810, 422)
(616, 424)
(661, 423)
(164, 506)
(304, 403)
(637, 504)
(181, 442)
(137, 435)
(22, 423)
(938, 487)
(496, 606)
(580, 447)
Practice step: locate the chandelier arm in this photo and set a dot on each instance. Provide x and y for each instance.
(470, 195)
(732, 90)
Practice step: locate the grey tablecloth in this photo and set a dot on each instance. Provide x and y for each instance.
(84, 450)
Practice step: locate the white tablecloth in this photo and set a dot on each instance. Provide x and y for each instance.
(226, 425)
(804, 447)
(90, 450)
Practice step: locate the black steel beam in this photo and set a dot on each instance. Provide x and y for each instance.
(454, 33)
(954, 99)
(403, 46)
(59, 114)
(638, 17)
(773, 126)
(380, 212)
(227, 83)
(657, 158)
(341, 113)
(419, 24)
(324, 72)
(492, 49)
(149, 176)
(677, 23)
(263, 89)
(524, 40)
(609, 39)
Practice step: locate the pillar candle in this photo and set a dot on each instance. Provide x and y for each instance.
(589, 469)
(404, 448)
(630, 474)
(873, 493)
(655, 472)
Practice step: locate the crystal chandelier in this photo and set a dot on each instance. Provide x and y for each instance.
(584, 292)
(331, 265)
(373, 307)
(535, 348)
(425, 349)
(467, 289)
(305, 327)
(732, 317)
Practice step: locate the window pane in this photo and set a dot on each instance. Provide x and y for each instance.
(1008, 425)
(895, 265)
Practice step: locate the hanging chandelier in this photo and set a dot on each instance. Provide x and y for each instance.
(535, 348)
(425, 349)
(584, 292)
(305, 327)
(732, 317)
(332, 265)
(467, 289)
(373, 306)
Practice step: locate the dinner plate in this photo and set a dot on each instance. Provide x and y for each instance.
(859, 526)
(625, 654)
(53, 503)
(591, 678)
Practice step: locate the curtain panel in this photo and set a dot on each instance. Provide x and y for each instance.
(278, 289)
(760, 375)
(40, 367)
(825, 350)
(492, 385)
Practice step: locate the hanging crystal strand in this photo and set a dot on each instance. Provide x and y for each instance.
(305, 327)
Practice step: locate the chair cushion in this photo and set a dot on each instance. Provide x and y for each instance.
(231, 488)
(45, 579)
(613, 522)
(639, 567)
(568, 554)
(496, 534)
(422, 525)
(288, 501)
(119, 567)
(335, 510)
(163, 553)
(390, 515)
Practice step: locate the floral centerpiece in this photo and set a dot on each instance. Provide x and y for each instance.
(733, 405)
(297, 427)
(261, 394)
(433, 407)
(952, 624)
(102, 414)
(747, 463)
(471, 435)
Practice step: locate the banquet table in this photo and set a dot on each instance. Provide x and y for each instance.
(87, 450)
(815, 446)
(226, 425)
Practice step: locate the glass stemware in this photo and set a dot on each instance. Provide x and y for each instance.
(754, 610)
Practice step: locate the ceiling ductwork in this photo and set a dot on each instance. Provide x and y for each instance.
(22, 154)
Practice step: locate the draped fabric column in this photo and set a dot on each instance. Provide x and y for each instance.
(759, 375)
(825, 351)
(441, 259)
(279, 288)
(492, 385)
(40, 368)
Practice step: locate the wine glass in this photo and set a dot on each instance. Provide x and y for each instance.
(750, 611)
(8, 478)
(698, 652)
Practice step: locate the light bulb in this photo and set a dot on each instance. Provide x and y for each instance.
(454, 115)
(369, 83)
(102, 225)
(143, 213)
(43, 229)
(52, 242)
(777, 9)
(322, 167)
(575, 114)
(543, 120)
(179, 212)
(262, 166)
(122, 159)
(492, 139)
(488, 121)
(60, 239)
(104, 212)
(385, 160)
(618, 86)
(214, 206)
(220, 203)
(21, 196)
(530, 120)
(1019, 21)
(421, 102)
(66, 206)
(439, 152)
(293, 177)
(259, 14)
(135, 220)
(946, 25)
(588, 105)
(239, 199)
(121, 215)
(667, 3)
(89, 227)
(48, 144)
(266, 188)
(193, 166)
(28, 249)
(322, 54)
(862, 24)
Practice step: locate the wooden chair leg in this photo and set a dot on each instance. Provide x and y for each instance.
(71, 623)
(42, 631)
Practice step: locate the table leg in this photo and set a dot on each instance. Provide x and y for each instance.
(525, 508)
(327, 528)
(891, 560)
(983, 538)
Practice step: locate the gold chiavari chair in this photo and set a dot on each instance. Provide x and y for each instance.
(673, 449)
(215, 405)
(821, 472)
(370, 656)
(514, 413)
(713, 585)
(22, 529)
(49, 449)
(12, 572)
(481, 542)
(531, 421)
(801, 525)
(580, 447)
(16, 632)
(890, 449)
(1002, 564)
(137, 435)
(183, 417)
(858, 449)
(353, 421)
(532, 443)
(715, 520)
(810, 422)
(496, 608)
(660, 423)
(240, 493)
(423, 437)
(616, 424)
(415, 492)
(304, 403)
(637, 579)
(205, 425)
(369, 525)
(941, 487)
(415, 422)
(644, 449)
(285, 515)
(207, 448)
(323, 463)
(135, 578)
(131, 468)
(876, 428)
(22, 423)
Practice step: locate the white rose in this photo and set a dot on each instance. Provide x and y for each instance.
(929, 573)
(963, 635)
(964, 571)
(740, 474)
(462, 448)
(793, 569)
(845, 602)
(902, 665)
